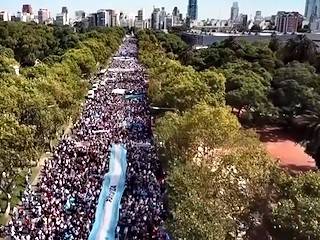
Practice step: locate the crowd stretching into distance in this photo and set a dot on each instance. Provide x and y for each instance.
(63, 204)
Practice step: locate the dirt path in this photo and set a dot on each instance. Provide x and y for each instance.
(282, 146)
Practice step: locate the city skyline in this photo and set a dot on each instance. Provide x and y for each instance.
(207, 8)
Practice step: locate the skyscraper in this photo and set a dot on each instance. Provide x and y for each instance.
(312, 9)
(163, 19)
(140, 15)
(43, 15)
(5, 16)
(103, 18)
(64, 12)
(244, 21)
(288, 21)
(26, 8)
(80, 14)
(155, 19)
(234, 11)
(258, 17)
(193, 10)
(176, 17)
(175, 12)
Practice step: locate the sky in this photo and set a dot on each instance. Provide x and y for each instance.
(207, 8)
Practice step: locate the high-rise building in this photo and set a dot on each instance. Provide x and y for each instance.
(162, 19)
(103, 18)
(244, 21)
(26, 8)
(175, 12)
(140, 15)
(124, 20)
(288, 21)
(139, 20)
(181, 17)
(5, 16)
(169, 21)
(113, 18)
(312, 9)
(61, 19)
(177, 18)
(80, 14)
(234, 11)
(258, 17)
(193, 10)
(43, 15)
(64, 11)
(93, 18)
(155, 19)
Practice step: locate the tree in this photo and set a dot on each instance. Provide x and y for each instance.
(274, 43)
(81, 60)
(171, 42)
(295, 89)
(17, 151)
(218, 176)
(296, 213)
(308, 125)
(36, 104)
(173, 85)
(246, 89)
(300, 48)
(202, 126)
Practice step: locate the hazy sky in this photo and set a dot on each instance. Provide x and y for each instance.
(207, 8)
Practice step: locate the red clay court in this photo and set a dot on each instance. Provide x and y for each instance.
(282, 146)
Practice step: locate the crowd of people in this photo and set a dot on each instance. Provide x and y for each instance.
(62, 205)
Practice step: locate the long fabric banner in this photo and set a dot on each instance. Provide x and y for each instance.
(107, 213)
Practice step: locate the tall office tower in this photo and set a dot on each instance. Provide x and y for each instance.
(61, 19)
(155, 19)
(5, 16)
(26, 8)
(175, 12)
(193, 10)
(288, 21)
(80, 14)
(312, 9)
(140, 15)
(258, 17)
(169, 21)
(113, 18)
(103, 18)
(64, 12)
(244, 21)
(163, 19)
(43, 15)
(93, 18)
(181, 17)
(234, 11)
(175, 17)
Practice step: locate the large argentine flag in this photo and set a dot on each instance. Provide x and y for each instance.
(107, 213)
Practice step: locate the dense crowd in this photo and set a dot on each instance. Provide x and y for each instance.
(63, 204)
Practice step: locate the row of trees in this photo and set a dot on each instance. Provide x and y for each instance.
(222, 184)
(266, 82)
(37, 104)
